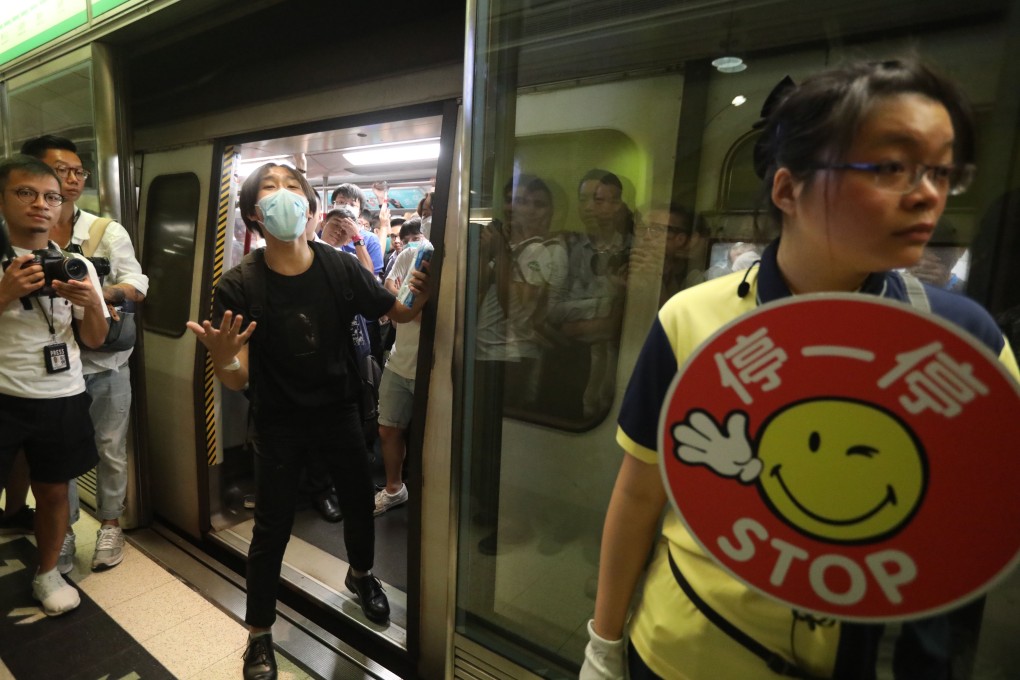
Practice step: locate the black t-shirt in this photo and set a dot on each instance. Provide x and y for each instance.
(298, 352)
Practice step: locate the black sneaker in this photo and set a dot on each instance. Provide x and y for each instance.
(371, 596)
(21, 522)
(259, 659)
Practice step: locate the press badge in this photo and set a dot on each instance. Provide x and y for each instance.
(56, 357)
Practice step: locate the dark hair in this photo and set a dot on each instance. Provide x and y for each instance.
(430, 197)
(411, 227)
(815, 123)
(344, 212)
(246, 200)
(38, 146)
(349, 191)
(603, 176)
(529, 183)
(28, 164)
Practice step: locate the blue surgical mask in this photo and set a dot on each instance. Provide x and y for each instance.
(413, 245)
(284, 214)
(388, 245)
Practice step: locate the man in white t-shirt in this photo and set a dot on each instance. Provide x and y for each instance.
(44, 409)
(396, 389)
(107, 376)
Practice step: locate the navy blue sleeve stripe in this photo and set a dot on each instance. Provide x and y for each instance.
(656, 366)
(969, 315)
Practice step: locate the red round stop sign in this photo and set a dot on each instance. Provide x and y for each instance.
(848, 456)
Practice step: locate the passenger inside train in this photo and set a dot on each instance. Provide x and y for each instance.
(857, 164)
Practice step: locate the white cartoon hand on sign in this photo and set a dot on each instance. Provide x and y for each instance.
(700, 441)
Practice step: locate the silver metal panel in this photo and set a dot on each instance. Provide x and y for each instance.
(439, 508)
(471, 661)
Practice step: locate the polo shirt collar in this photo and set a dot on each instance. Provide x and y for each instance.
(771, 286)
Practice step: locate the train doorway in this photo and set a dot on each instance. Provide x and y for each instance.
(216, 509)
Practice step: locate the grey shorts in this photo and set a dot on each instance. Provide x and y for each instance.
(396, 400)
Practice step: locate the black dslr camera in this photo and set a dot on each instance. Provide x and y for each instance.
(57, 267)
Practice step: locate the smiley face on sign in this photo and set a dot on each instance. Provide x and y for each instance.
(841, 475)
(841, 471)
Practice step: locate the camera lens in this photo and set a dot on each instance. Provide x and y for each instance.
(74, 269)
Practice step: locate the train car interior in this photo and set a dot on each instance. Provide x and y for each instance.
(316, 553)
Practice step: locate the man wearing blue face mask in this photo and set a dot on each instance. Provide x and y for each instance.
(294, 361)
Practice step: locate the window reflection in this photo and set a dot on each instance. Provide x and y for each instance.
(614, 92)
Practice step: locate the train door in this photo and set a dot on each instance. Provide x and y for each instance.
(212, 496)
(174, 218)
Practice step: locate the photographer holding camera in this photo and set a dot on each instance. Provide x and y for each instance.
(107, 376)
(44, 409)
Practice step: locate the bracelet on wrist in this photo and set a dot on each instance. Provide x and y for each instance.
(234, 365)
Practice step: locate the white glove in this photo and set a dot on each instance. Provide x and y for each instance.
(700, 441)
(603, 659)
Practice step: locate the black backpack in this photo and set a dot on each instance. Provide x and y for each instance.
(367, 369)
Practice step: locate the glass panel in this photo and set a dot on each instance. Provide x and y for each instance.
(171, 219)
(60, 105)
(611, 167)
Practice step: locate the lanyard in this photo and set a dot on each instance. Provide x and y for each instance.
(49, 318)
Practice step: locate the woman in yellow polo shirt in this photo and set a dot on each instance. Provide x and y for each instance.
(857, 162)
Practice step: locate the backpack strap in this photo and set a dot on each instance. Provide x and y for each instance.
(916, 294)
(96, 232)
(775, 662)
(253, 282)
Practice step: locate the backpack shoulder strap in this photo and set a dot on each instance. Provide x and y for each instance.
(253, 280)
(96, 231)
(916, 294)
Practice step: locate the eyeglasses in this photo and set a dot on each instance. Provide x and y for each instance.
(902, 178)
(29, 196)
(80, 173)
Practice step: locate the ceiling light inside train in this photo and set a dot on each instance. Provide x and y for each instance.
(250, 165)
(729, 64)
(393, 153)
(738, 100)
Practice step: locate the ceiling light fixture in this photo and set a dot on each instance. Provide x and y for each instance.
(249, 165)
(393, 153)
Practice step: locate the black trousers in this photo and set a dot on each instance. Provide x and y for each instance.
(335, 444)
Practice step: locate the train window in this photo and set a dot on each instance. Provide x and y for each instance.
(60, 104)
(612, 160)
(171, 220)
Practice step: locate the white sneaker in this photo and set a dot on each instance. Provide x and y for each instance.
(65, 563)
(109, 547)
(385, 501)
(56, 596)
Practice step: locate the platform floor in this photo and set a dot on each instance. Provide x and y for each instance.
(149, 618)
